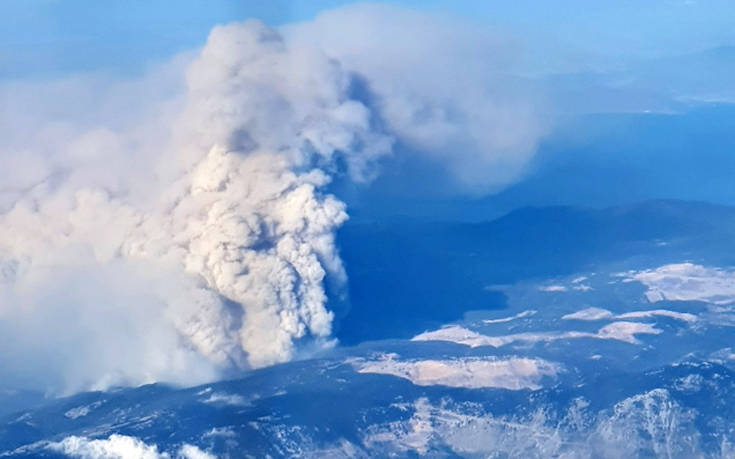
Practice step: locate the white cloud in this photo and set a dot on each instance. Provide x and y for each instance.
(121, 447)
(192, 452)
(115, 447)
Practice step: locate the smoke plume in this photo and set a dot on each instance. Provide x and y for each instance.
(193, 234)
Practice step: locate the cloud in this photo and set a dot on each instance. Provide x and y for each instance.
(177, 226)
(121, 447)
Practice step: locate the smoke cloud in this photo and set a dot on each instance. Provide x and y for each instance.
(177, 226)
(446, 88)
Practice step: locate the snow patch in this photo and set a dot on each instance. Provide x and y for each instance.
(687, 282)
(620, 331)
(650, 424)
(82, 411)
(510, 373)
(683, 316)
(592, 314)
(226, 399)
(626, 331)
(589, 314)
(511, 318)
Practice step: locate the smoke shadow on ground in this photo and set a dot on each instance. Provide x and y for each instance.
(407, 275)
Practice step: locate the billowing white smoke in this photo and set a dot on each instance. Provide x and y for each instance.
(445, 88)
(244, 215)
(198, 238)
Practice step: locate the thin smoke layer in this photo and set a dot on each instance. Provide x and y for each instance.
(144, 254)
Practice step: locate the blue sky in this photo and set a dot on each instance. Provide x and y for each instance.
(45, 37)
